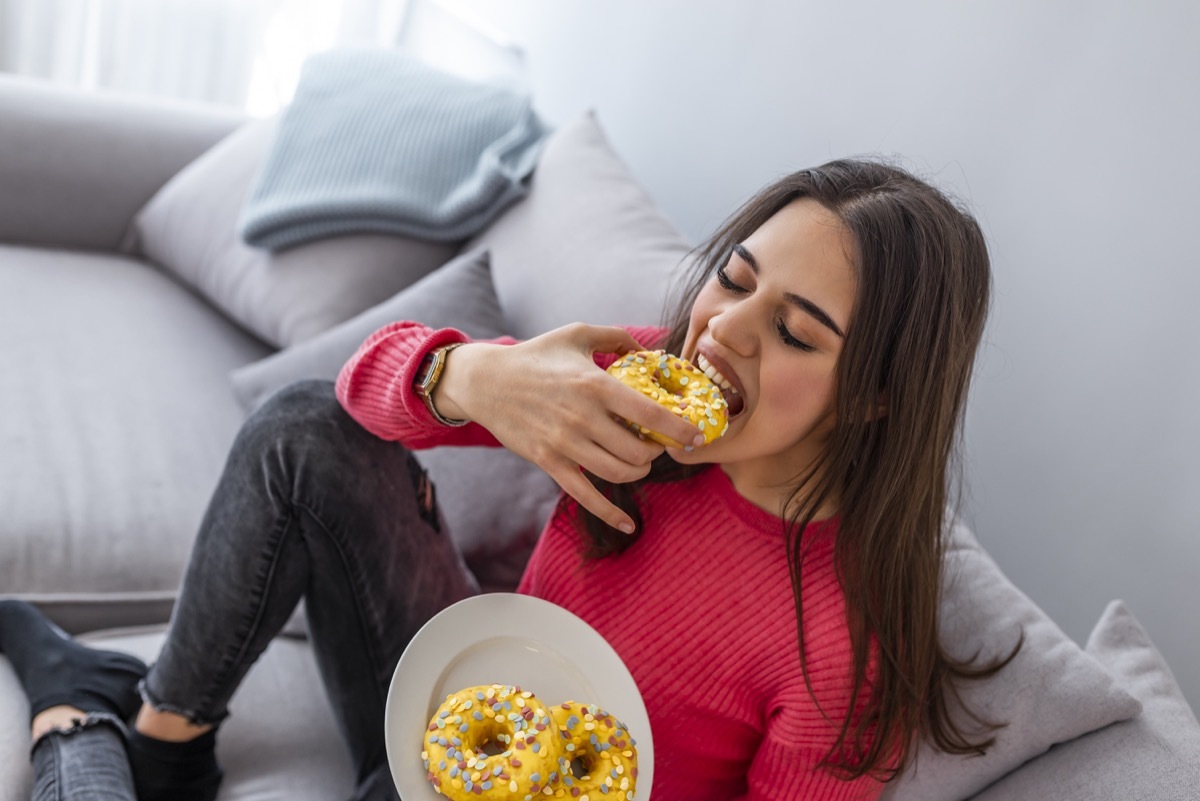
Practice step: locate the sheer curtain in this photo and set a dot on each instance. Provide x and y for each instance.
(244, 53)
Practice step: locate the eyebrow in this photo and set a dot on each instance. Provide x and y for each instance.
(799, 301)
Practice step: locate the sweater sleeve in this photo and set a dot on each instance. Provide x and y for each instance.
(375, 385)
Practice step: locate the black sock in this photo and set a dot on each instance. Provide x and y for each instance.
(54, 669)
(166, 771)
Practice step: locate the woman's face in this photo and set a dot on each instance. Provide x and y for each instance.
(771, 324)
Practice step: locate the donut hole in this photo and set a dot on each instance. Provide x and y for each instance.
(492, 747)
(490, 740)
(581, 766)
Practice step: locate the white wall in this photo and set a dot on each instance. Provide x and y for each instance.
(1072, 127)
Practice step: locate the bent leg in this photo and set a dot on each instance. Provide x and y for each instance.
(310, 505)
(84, 763)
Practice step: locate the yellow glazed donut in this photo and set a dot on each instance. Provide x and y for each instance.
(602, 748)
(677, 385)
(500, 718)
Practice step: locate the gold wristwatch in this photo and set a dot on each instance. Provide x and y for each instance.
(428, 375)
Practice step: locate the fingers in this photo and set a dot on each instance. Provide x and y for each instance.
(635, 407)
(576, 484)
(603, 338)
(557, 410)
(631, 405)
(604, 464)
(629, 448)
(631, 461)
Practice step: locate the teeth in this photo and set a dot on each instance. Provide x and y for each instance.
(714, 374)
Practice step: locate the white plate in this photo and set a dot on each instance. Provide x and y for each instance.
(505, 638)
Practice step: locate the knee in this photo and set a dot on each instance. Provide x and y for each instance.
(306, 400)
(304, 416)
(302, 439)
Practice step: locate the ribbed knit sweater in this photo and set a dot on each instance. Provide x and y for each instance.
(700, 608)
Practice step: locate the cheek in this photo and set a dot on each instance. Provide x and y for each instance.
(798, 398)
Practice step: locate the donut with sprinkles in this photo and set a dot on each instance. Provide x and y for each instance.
(674, 383)
(492, 742)
(599, 757)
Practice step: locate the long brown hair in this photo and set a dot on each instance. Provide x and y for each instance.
(923, 292)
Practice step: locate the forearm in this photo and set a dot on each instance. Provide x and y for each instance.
(464, 373)
(376, 388)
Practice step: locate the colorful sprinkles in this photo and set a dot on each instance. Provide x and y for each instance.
(542, 750)
(601, 746)
(675, 384)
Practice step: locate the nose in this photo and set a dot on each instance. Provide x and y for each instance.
(733, 328)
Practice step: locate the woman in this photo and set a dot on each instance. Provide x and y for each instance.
(774, 593)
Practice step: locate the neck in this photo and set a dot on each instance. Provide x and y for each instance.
(770, 490)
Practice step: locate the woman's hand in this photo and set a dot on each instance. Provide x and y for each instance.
(546, 401)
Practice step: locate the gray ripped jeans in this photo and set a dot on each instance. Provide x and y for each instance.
(310, 505)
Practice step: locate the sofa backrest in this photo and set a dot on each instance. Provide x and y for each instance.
(75, 165)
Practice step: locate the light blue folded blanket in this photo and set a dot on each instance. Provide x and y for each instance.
(379, 141)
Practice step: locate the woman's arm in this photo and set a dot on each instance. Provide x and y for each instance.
(376, 387)
(543, 399)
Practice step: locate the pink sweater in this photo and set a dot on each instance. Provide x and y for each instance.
(700, 608)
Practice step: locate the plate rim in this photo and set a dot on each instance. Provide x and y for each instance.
(525, 609)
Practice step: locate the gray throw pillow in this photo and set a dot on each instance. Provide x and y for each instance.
(1154, 755)
(495, 502)
(587, 244)
(190, 229)
(1051, 692)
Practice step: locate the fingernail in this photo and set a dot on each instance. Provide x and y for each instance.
(626, 527)
(699, 440)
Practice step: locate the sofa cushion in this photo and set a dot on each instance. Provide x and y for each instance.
(1051, 692)
(495, 522)
(1154, 755)
(104, 362)
(587, 244)
(190, 228)
(297, 755)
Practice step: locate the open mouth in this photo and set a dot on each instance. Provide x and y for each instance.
(732, 397)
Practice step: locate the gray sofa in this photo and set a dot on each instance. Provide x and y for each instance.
(137, 331)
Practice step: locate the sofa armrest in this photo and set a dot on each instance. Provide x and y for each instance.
(76, 166)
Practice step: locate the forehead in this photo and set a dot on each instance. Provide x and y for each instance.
(805, 249)
(804, 229)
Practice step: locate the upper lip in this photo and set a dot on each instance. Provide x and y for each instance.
(723, 367)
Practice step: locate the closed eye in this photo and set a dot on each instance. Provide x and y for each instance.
(784, 334)
(724, 280)
(790, 340)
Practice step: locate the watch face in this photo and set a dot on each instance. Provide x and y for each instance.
(428, 374)
(424, 372)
